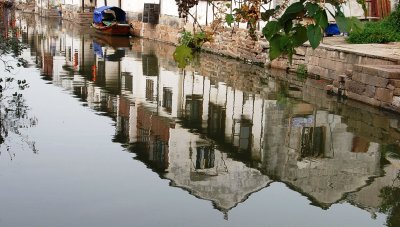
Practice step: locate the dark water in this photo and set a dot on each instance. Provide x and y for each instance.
(125, 138)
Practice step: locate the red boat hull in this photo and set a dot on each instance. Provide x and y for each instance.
(114, 29)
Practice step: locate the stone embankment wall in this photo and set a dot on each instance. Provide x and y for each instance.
(234, 43)
(328, 62)
(377, 85)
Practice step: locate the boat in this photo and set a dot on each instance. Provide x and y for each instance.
(110, 20)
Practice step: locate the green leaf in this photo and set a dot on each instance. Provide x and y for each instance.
(314, 35)
(267, 14)
(270, 29)
(183, 55)
(291, 12)
(321, 18)
(311, 8)
(284, 42)
(288, 26)
(295, 8)
(343, 23)
(356, 25)
(229, 19)
(274, 47)
(299, 35)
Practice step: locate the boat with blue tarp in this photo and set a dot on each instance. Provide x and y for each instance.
(110, 20)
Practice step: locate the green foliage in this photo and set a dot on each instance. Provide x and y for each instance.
(374, 33)
(183, 55)
(384, 31)
(229, 19)
(288, 32)
(193, 41)
(189, 43)
(314, 34)
(349, 24)
(301, 72)
(393, 20)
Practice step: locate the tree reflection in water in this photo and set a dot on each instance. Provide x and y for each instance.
(13, 109)
(390, 195)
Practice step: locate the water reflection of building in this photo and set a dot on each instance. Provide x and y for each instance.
(210, 133)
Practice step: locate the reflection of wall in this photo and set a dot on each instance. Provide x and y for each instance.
(369, 197)
(325, 177)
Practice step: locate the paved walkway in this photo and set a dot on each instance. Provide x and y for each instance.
(389, 50)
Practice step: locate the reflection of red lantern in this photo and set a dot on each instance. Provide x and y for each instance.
(94, 72)
(76, 60)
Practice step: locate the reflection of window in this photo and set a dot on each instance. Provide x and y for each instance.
(70, 54)
(158, 151)
(149, 90)
(194, 108)
(150, 65)
(216, 120)
(167, 99)
(128, 81)
(312, 142)
(242, 134)
(205, 157)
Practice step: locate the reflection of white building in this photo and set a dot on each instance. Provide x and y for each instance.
(211, 138)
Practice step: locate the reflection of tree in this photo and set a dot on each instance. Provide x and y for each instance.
(391, 203)
(10, 45)
(13, 109)
(391, 194)
(13, 114)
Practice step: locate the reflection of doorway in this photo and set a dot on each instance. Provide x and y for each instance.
(216, 121)
(242, 134)
(149, 90)
(193, 109)
(167, 99)
(312, 142)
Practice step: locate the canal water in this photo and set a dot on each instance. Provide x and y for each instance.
(117, 135)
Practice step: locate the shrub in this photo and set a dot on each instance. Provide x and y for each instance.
(374, 32)
(384, 31)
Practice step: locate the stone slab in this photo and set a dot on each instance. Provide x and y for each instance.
(385, 71)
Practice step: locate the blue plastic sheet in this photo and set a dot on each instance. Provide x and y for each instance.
(99, 13)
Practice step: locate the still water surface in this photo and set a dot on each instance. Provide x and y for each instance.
(125, 138)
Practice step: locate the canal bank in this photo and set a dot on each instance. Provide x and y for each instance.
(347, 67)
(369, 73)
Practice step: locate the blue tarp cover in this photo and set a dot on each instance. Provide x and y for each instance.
(332, 29)
(99, 12)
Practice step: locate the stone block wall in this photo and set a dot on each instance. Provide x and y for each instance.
(167, 30)
(234, 43)
(328, 62)
(377, 85)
